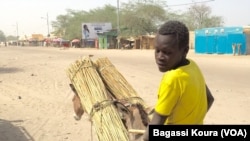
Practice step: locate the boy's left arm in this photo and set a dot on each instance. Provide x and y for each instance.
(156, 120)
(210, 98)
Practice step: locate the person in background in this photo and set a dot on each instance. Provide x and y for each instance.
(86, 34)
(183, 96)
(239, 48)
(234, 48)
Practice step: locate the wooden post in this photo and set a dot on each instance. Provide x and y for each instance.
(136, 131)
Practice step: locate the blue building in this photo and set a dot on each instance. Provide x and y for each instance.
(220, 40)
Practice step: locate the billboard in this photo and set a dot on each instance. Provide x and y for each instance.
(90, 30)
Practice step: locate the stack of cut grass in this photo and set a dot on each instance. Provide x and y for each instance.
(116, 83)
(96, 102)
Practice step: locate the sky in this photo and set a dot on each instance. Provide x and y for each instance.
(27, 17)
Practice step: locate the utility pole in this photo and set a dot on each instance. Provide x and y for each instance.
(47, 18)
(17, 33)
(118, 24)
(48, 24)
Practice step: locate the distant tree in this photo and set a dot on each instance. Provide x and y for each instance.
(60, 25)
(108, 13)
(199, 16)
(141, 18)
(2, 36)
(11, 37)
(175, 15)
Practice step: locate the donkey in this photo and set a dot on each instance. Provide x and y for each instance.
(133, 116)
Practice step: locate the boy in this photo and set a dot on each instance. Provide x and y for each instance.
(183, 97)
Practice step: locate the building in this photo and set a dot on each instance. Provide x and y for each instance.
(220, 40)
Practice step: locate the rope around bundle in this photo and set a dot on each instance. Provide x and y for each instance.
(101, 105)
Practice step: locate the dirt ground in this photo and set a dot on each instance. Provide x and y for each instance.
(35, 99)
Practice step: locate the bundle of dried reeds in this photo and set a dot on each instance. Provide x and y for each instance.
(116, 83)
(95, 101)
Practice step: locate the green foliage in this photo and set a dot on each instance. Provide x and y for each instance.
(2, 36)
(139, 19)
(9, 38)
(135, 18)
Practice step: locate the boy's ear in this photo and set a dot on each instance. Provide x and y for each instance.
(186, 49)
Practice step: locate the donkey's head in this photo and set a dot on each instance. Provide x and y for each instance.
(135, 116)
(78, 109)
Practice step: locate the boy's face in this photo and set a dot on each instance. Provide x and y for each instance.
(168, 55)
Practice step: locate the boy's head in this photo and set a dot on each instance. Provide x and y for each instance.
(171, 45)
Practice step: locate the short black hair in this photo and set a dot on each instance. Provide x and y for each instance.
(178, 29)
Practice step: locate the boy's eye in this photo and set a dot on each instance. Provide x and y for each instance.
(163, 52)
(167, 52)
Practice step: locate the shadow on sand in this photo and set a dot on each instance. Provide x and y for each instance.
(9, 70)
(12, 132)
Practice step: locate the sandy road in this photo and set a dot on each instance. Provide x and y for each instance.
(35, 99)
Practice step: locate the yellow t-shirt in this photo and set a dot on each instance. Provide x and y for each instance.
(182, 95)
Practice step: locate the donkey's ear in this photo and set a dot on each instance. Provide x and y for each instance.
(72, 88)
(149, 110)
